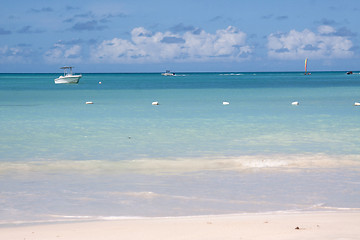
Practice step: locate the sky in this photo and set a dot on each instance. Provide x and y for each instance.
(179, 35)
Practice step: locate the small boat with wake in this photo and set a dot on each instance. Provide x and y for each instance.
(168, 73)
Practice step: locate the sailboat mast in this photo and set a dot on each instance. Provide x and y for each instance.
(306, 65)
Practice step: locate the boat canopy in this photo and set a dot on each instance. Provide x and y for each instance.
(65, 68)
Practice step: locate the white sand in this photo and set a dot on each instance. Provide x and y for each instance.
(329, 225)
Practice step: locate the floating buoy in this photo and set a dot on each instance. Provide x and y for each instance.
(89, 103)
(226, 103)
(155, 103)
(295, 103)
(99, 82)
(357, 104)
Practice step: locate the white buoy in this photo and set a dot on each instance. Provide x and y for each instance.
(226, 103)
(155, 103)
(357, 104)
(295, 103)
(99, 82)
(89, 103)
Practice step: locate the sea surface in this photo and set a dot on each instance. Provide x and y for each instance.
(121, 157)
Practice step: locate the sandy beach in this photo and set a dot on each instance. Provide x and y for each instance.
(314, 225)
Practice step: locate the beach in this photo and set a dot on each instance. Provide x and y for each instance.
(306, 225)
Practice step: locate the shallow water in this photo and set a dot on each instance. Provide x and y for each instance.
(190, 155)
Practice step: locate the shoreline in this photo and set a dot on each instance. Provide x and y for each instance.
(171, 166)
(271, 225)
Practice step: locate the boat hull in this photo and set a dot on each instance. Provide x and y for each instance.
(68, 79)
(168, 74)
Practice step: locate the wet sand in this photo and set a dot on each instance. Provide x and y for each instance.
(309, 225)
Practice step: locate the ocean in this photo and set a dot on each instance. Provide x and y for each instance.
(122, 157)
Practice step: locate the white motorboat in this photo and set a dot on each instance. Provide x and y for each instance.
(168, 73)
(68, 77)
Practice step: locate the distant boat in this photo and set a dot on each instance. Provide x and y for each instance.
(349, 73)
(168, 73)
(306, 73)
(68, 77)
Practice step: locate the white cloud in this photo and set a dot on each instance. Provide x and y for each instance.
(145, 46)
(62, 53)
(14, 54)
(324, 44)
(326, 29)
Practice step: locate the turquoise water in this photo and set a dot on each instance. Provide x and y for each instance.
(123, 156)
(41, 120)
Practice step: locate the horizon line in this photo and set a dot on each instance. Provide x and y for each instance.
(182, 72)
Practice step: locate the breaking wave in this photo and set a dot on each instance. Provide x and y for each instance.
(183, 165)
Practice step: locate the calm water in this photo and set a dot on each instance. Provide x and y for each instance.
(61, 159)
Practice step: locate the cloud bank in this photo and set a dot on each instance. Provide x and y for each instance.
(187, 44)
(144, 46)
(326, 43)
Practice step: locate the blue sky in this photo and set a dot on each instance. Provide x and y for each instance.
(186, 35)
